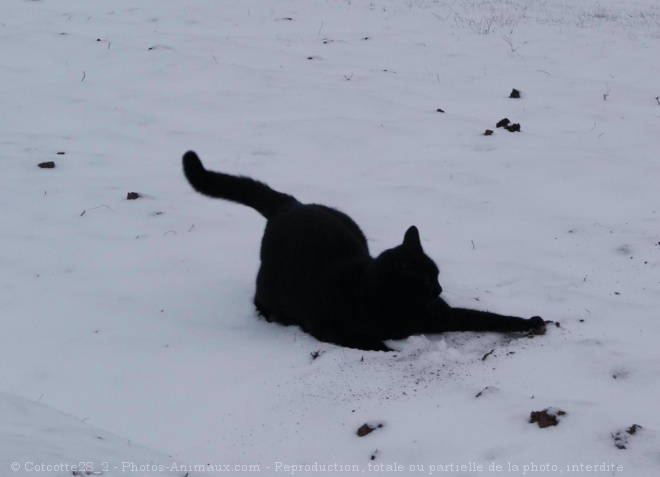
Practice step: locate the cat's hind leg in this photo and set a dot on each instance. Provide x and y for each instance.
(263, 310)
(271, 314)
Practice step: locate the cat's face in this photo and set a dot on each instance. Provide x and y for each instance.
(419, 276)
(411, 273)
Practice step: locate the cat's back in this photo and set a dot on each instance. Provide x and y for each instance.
(313, 231)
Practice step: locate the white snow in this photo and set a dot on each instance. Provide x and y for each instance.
(136, 317)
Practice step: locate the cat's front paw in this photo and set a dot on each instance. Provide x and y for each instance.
(536, 325)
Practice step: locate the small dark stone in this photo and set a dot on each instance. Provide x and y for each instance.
(514, 94)
(546, 418)
(61, 153)
(503, 122)
(132, 196)
(440, 110)
(513, 127)
(366, 429)
(47, 165)
(488, 132)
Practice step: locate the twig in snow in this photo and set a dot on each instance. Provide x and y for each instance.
(607, 93)
(514, 51)
(83, 78)
(98, 207)
(657, 98)
(487, 355)
(440, 19)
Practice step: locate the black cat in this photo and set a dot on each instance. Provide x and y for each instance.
(316, 272)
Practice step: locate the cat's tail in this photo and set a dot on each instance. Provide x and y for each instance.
(243, 190)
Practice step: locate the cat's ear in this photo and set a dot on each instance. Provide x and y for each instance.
(411, 240)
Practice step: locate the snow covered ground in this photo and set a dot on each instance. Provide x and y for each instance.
(135, 316)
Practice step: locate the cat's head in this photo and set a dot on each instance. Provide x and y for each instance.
(408, 271)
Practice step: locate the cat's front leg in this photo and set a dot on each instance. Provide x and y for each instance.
(475, 320)
(442, 317)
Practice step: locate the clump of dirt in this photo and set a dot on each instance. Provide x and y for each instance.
(366, 429)
(514, 94)
(47, 165)
(488, 132)
(132, 196)
(546, 418)
(508, 125)
(621, 437)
